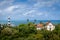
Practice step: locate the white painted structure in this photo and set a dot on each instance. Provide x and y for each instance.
(39, 26)
(9, 21)
(50, 27)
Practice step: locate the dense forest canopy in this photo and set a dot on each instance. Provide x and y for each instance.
(28, 32)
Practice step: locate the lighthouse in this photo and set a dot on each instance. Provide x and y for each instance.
(9, 21)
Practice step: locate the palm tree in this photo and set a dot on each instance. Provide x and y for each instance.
(35, 21)
(27, 20)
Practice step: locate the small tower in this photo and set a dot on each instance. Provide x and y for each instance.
(9, 21)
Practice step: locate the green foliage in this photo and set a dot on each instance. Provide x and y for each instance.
(29, 32)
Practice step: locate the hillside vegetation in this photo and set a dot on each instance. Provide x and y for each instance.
(28, 32)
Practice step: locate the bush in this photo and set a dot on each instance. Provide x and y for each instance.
(29, 32)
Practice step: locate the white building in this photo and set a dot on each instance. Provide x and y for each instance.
(49, 26)
(39, 26)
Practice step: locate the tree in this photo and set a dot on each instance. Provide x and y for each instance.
(27, 20)
(35, 21)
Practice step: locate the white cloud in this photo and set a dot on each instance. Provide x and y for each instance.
(0, 11)
(29, 12)
(19, 10)
(11, 8)
(53, 8)
(6, 2)
(49, 3)
(39, 14)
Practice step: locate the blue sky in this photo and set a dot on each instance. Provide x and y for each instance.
(30, 9)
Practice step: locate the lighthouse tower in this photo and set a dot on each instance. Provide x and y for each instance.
(9, 21)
